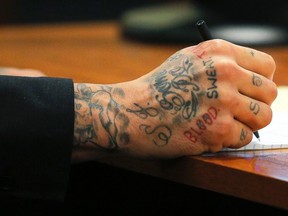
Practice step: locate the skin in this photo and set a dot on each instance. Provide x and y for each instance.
(201, 99)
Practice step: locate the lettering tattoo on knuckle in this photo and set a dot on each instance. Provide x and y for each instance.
(254, 107)
(256, 80)
(243, 134)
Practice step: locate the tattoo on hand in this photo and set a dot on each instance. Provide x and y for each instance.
(161, 134)
(201, 125)
(256, 80)
(212, 78)
(142, 112)
(254, 107)
(243, 134)
(88, 103)
(171, 83)
(177, 92)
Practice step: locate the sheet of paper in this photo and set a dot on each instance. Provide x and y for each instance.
(274, 135)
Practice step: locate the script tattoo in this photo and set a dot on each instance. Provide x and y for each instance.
(172, 84)
(256, 80)
(177, 93)
(100, 103)
(163, 134)
(142, 112)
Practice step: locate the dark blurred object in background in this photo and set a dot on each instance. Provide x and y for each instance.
(244, 22)
(40, 11)
(273, 12)
(35, 11)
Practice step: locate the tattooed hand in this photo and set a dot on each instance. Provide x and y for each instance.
(201, 99)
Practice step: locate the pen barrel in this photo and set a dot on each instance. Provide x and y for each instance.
(203, 30)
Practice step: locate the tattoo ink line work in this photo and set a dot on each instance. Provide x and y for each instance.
(256, 80)
(163, 134)
(254, 107)
(177, 92)
(110, 118)
(143, 113)
(170, 84)
(212, 78)
(201, 124)
(243, 134)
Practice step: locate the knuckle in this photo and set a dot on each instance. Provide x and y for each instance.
(273, 90)
(264, 120)
(270, 60)
(218, 43)
(227, 98)
(224, 127)
(267, 117)
(226, 68)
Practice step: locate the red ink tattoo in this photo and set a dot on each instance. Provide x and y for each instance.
(201, 124)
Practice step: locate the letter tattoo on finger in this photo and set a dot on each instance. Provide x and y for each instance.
(254, 107)
(243, 134)
(256, 80)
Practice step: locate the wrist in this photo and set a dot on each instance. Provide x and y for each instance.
(101, 118)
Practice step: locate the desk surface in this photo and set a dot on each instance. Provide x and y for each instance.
(95, 52)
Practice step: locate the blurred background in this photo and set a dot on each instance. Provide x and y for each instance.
(154, 21)
(245, 22)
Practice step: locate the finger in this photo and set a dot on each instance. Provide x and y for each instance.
(229, 133)
(20, 72)
(32, 72)
(243, 135)
(255, 60)
(253, 85)
(258, 87)
(253, 113)
(248, 58)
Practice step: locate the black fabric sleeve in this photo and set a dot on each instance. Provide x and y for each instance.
(36, 126)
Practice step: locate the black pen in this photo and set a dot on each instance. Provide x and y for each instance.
(206, 35)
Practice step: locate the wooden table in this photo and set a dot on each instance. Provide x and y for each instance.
(95, 52)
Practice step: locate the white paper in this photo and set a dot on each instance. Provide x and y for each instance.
(274, 135)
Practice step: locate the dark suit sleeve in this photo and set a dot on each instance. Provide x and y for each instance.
(36, 126)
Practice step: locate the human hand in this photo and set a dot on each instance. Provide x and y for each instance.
(201, 99)
(10, 71)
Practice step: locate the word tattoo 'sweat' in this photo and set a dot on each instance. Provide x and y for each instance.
(212, 78)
